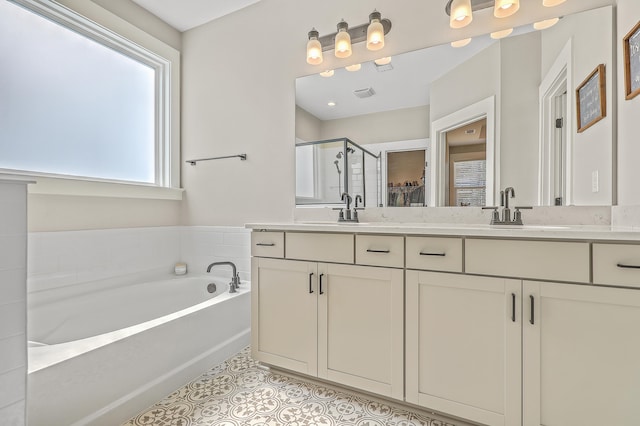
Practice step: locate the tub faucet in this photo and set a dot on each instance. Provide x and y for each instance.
(235, 276)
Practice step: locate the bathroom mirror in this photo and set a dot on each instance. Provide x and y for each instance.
(522, 86)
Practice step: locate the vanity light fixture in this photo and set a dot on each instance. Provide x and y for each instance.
(460, 14)
(353, 68)
(505, 8)
(501, 34)
(373, 32)
(552, 3)
(460, 43)
(343, 41)
(327, 73)
(314, 48)
(548, 23)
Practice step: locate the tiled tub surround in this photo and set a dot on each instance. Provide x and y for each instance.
(13, 340)
(499, 323)
(87, 283)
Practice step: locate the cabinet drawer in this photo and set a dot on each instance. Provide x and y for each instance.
(616, 264)
(267, 244)
(377, 250)
(545, 260)
(321, 247)
(435, 254)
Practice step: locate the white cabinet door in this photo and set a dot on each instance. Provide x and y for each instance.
(284, 314)
(463, 347)
(581, 355)
(360, 327)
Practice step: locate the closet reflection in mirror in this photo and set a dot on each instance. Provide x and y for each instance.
(523, 78)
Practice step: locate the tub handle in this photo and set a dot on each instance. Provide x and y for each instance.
(310, 278)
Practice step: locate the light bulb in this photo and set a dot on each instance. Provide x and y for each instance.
(548, 23)
(551, 3)
(501, 34)
(375, 32)
(314, 48)
(460, 43)
(505, 8)
(354, 67)
(343, 41)
(461, 14)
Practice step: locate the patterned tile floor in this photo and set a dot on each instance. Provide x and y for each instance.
(237, 392)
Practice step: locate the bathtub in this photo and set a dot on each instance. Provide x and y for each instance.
(101, 352)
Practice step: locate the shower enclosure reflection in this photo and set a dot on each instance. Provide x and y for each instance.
(328, 168)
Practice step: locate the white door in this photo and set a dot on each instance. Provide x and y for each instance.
(284, 314)
(581, 355)
(463, 346)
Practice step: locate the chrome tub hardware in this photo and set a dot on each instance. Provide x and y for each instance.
(496, 218)
(235, 276)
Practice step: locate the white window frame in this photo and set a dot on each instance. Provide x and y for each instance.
(92, 22)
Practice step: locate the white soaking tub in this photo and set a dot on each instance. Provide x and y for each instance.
(101, 352)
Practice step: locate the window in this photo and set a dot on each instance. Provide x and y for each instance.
(77, 100)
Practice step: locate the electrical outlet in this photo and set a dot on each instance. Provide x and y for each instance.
(595, 183)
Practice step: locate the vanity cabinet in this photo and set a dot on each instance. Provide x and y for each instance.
(580, 358)
(464, 345)
(340, 322)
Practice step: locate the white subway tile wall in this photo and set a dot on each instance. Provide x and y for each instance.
(58, 259)
(13, 316)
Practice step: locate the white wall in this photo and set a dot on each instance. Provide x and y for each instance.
(307, 126)
(388, 126)
(239, 96)
(628, 14)
(591, 45)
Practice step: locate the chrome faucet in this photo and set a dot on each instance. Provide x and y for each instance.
(346, 213)
(508, 192)
(235, 278)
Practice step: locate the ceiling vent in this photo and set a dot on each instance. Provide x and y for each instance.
(364, 93)
(383, 68)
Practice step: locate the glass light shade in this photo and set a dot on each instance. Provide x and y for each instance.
(548, 23)
(375, 35)
(551, 3)
(314, 52)
(460, 43)
(505, 8)
(501, 34)
(327, 73)
(383, 61)
(354, 67)
(343, 44)
(461, 14)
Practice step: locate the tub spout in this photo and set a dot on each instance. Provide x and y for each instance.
(235, 277)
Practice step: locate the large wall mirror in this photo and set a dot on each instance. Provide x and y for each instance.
(454, 126)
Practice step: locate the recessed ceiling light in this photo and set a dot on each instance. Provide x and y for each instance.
(461, 43)
(331, 103)
(327, 73)
(501, 34)
(354, 67)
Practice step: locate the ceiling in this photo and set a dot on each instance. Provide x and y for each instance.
(186, 14)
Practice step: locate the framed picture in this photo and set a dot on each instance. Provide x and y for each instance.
(591, 99)
(631, 44)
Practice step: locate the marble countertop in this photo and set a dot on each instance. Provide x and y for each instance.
(562, 232)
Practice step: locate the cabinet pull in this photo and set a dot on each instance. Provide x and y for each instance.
(320, 285)
(310, 278)
(432, 254)
(513, 307)
(622, 265)
(532, 316)
(378, 251)
(265, 244)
